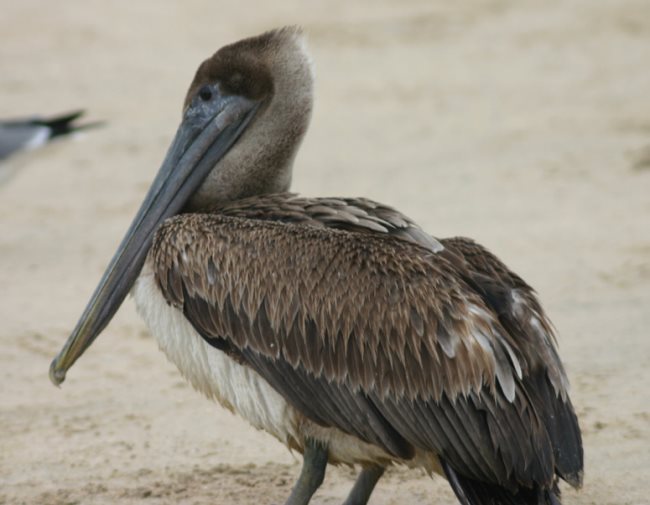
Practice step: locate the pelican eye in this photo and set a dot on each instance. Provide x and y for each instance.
(205, 93)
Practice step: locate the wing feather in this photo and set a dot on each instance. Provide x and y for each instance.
(259, 286)
(370, 331)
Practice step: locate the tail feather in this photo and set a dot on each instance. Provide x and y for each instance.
(473, 492)
(562, 426)
(65, 123)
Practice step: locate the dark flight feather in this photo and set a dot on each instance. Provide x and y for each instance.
(454, 362)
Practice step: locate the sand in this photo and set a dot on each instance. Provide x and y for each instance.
(525, 125)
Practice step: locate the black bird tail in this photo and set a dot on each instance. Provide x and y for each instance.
(473, 492)
(64, 123)
(562, 426)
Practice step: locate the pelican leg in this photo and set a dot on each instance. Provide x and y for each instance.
(311, 475)
(364, 485)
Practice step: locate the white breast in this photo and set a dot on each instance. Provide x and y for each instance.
(239, 388)
(209, 370)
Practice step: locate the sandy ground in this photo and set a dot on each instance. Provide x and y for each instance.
(525, 125)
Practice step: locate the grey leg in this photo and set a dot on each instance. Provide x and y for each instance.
(311, 475)
(364, 485)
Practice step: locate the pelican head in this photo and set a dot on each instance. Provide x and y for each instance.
(244, 116)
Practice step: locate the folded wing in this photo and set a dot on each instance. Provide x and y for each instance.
(382, 333)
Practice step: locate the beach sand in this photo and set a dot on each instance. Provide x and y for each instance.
(525, 125)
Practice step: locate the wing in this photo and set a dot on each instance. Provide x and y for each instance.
(303, 282)
(503, 291)
(521, 314)
(358, 215)
(378, 337)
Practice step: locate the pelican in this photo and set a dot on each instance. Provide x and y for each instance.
(337, 325)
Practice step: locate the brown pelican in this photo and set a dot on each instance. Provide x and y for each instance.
(335, 324)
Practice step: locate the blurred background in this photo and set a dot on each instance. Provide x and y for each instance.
(525, 125)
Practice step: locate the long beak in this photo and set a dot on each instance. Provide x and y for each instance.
(206, 134)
